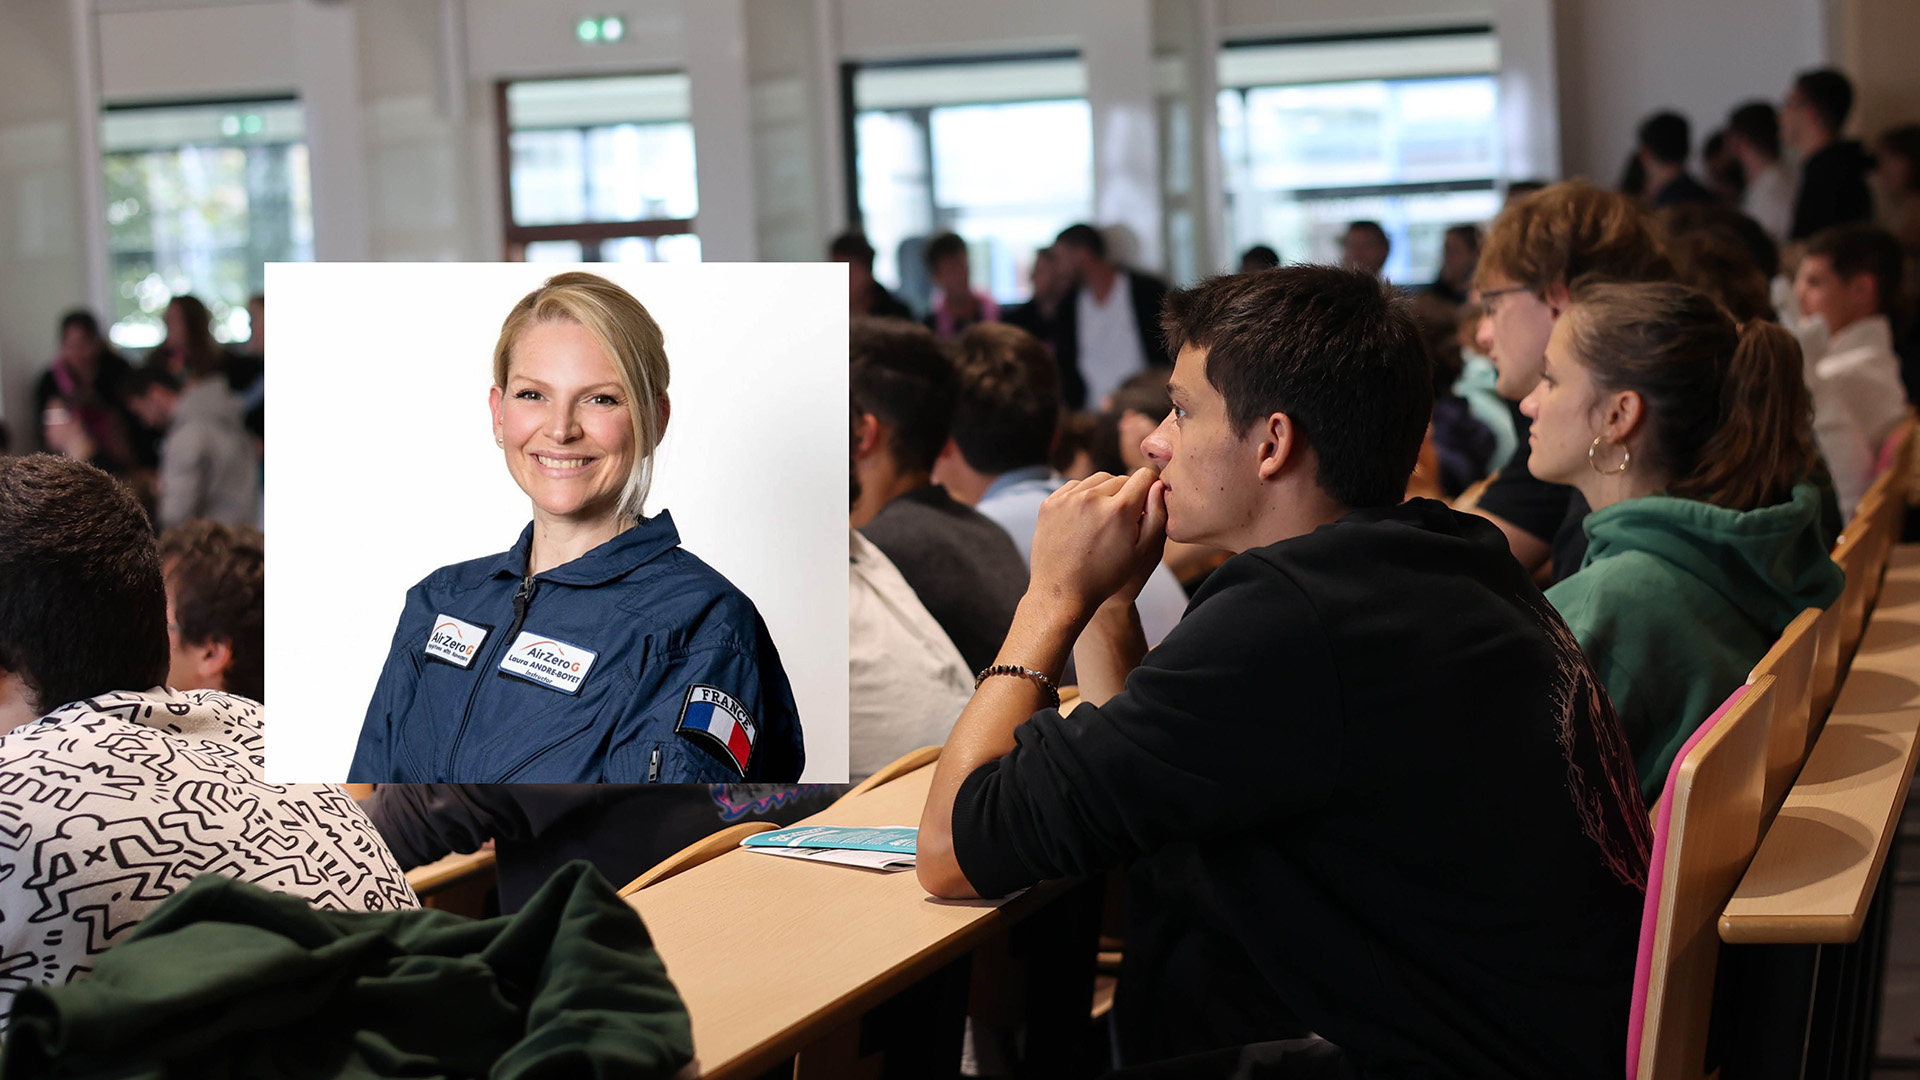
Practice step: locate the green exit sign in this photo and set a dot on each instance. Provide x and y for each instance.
(608, 28)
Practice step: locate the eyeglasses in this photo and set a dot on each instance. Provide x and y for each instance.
(1487, 296)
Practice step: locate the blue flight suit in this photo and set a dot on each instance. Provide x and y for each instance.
(634, 663)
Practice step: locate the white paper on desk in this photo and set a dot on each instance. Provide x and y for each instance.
(866, 860)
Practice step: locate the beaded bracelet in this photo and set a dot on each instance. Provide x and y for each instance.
(1039, 679)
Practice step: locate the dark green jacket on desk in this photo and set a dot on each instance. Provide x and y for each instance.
(228, 980)
(1678, 599)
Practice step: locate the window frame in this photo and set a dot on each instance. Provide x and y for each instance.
(589, 234)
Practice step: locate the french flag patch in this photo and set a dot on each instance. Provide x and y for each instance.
(712, 717)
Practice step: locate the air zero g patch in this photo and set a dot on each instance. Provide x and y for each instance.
(548, 661)
(717, 721)
(455, 641)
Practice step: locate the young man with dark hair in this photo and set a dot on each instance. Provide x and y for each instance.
(997, 459)
(120, 790)
(1846, 287)
(1665, 143)
(1753, 133)
(1365, 246)
(208, 465)
(1108, 326)
(1833, 171)
(216, 608)
(1320, 839)
(957, 306)
(865, 295)
(960, 563)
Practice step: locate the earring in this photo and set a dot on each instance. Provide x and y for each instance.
(499, 440)
(1626, 457)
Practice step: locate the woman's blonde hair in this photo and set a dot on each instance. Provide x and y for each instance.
(631, 340)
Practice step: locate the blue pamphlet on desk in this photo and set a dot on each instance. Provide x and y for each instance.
(894, 839)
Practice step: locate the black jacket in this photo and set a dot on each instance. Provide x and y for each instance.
(1373, 766)
(1147, 293)
(1833, 189)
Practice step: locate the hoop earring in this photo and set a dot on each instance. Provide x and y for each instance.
(1626, 457)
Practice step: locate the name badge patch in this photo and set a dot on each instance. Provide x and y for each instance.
(455, 641)
(715, 719)
(548, 661)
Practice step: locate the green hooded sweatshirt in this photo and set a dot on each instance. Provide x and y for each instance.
(1678, 599)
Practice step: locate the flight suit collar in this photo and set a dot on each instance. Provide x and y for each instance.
(644, 542)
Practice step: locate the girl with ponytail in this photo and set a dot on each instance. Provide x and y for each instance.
(1691, 438)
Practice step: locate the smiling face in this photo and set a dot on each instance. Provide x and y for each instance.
(1211, 473)
(565, 423)
(1513, 334)
(1561, 406)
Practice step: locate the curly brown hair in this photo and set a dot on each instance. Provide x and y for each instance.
(216, 574)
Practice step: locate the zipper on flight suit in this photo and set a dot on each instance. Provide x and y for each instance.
(521, 599)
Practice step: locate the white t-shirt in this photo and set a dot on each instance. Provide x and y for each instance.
(1110, 347)
(1769, 201)
(111, 805)
(906, 683)
(1858, 400)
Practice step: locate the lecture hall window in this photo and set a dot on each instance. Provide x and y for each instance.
(199, 199)
(998, 150)
(1401, 129)
(600, 170)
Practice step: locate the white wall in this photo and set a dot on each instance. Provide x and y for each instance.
(1621, 60)
(42, 266)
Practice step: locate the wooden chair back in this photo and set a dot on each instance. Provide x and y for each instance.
(1791, 663)
(705, 849)
(1854, 554)
(893, 770)
(1707, 836)
(457, 883)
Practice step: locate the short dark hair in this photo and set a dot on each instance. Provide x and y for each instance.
(1085, 237)
(851, 246)
(1262, 256)
(218, 577)
(79, 319)
(1829, 94)
(140, 380)
(902, 378)
(1373, 227)
(1332, 348)
(1859, 248)
(1009, 401)
(1145, 393)
(1470, 233)
(1903, 142)
(1667, 137)
(82, 608)
(944, 246)
(1759, 124)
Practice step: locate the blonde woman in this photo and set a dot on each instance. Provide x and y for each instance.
(596, 649)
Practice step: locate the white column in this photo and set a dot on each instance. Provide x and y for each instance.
(716, 36)
(1126, 141)
(329, 80)
(833, 189)
(86, 148)
(1529, 90)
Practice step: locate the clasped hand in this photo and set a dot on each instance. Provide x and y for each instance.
(1099, 538)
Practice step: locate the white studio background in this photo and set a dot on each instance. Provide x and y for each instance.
(381, 468)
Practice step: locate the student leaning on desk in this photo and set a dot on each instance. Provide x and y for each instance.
(1369, 785)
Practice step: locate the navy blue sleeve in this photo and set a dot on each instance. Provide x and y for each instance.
(1229, 726)
(392, 696)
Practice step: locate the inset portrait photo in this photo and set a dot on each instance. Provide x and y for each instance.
(540, 523)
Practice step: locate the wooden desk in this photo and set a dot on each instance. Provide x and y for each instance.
(775, 955)
(1814, 875)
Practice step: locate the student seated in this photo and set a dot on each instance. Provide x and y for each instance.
(1689, 437)
(216, 608)
(118, 791)
(1536, 251)
(1369, 786)
(1847, 285)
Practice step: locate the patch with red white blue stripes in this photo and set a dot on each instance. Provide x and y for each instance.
(716, 721)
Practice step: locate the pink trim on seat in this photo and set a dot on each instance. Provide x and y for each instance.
(1884, 460)
(1656, 877)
